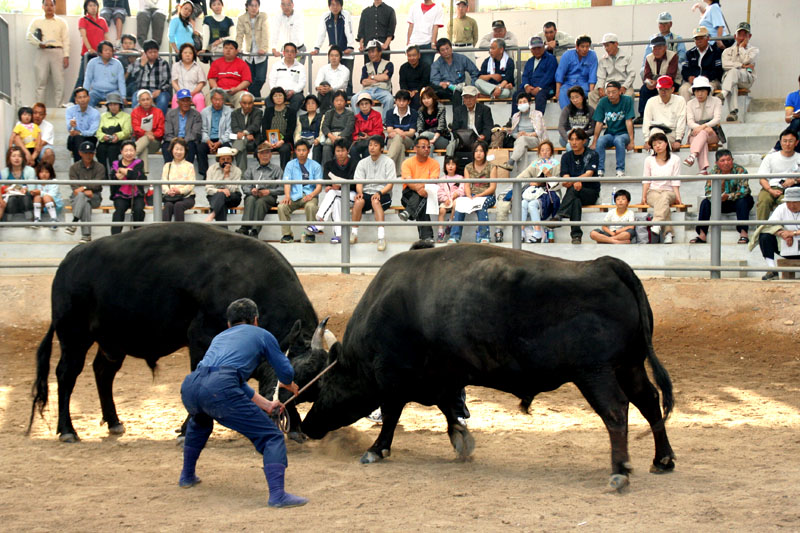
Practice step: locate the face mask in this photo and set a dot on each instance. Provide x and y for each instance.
(524, 107)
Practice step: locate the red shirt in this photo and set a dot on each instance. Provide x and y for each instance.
(373, 125)
(229, 75)
(93, 34)
(158, 122)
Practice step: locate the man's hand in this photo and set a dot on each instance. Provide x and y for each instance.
(150, 135)
(289, 95)
(789, 182)
(646, 145)
(226, 192)
(156, 93)
(775, 193)
(66, 62)
(292, 387)
(88, 193)
(676, 146)
(593, 146)
(725, 197)
(496, 93)
(286, 200)
(630, 147)
(601, 92)
(444, 84)
(307, 198)
(577, 186)
(239, 135)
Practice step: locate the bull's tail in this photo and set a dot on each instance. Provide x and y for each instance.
(40, 391)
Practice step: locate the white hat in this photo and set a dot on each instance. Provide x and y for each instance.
(363, 96)
(792, 194)
(701, 82)
(610, 38)
(225, 150)
(469, 90)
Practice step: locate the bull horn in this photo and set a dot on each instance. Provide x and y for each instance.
(316, 340)
(330, 338)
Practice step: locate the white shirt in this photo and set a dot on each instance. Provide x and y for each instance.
(612, 216)
(288, 30)
(338, 78)
(148, 4)
(775, 163)
(652, 168)
(290, 78)
(48, 133)
(782, 213)
(424, 23)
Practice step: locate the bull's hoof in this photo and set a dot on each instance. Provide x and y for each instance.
(68, 438)
(117, 429)
(462, 441)
(618, 482)
(664, 466)
(297, 436)
(370, 457)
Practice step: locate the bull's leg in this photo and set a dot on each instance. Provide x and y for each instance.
(644, 396)
(73, 356)
(454, 409)
(105, 369)
(382, 447)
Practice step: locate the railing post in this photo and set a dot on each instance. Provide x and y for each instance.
(516, 215)
(310, 67)
(157, 211)
(345, 229)
(715, 232)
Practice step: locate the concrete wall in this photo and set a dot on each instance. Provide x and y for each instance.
(8, 117)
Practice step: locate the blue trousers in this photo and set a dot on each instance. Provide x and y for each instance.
(483, 216)
(95, 96)
(540, 100)
(426, 58)
(382, 95)
(563, 99)
(619, 142)
(258, 71)
(216, 394)
(162, 102)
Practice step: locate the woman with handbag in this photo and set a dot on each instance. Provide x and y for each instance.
(177, 198)
(703, 116)
(540, 200)
(478, 197)
(432, 120)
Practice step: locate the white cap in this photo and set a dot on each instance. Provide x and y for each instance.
(610, 38)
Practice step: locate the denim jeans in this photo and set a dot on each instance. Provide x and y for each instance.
(482, 231)
(162, 101)
(619, 142)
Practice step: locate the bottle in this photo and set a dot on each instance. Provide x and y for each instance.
(551, 236)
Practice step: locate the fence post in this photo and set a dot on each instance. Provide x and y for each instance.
(715, 232)
(516, 214)
(157, 211)
(345, 229)
(310, 67)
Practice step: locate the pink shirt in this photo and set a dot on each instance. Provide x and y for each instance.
(670, 168)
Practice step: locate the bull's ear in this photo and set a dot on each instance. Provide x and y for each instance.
(335, 352)
(290, 339)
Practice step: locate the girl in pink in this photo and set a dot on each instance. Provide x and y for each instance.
(661, 192)
(447, 194)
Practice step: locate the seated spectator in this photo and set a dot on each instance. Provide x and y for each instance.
(785, 161)
(183, 122)
(660, 63)
(577, 67)
(614, 65)
(373, 196)
(93, 30)
(252, 34)
(148, 127)
(541, 199)
(177, 198)
(615, 231)
(672, 39)
(376, 79)
(665, 114)
(702, 60)
(341, 167)
(223, 197)
(85, 197)
(82, 123)
(463, 30)
(415, 195)
(281, 119)
(181, 27)
(216, 130)
(499, 31)
(188, 74)
(127, 167)
(308, 127)
(448, 73)
(578, 114)
(735, 197)
(496, 78)
(556, 42)
(478, 197)
(129, 56)
(26, 134)
(115, 127)
(414, 75)
(615, 110)
(538, 76)
(527, 129)
(432, 120)
(260, 199)
(116, 10)
(473, 116)
(703, 114)
(367, 123)
(153, 73)
(792, 118)
(738, 62)
(46, 151)
(300, 195)
(331, 78)
(290, 75)
(150, 16)
(104, 75)
(230, 74)
(17, 198)
(788, 233)
(337, 26)
(338, 123)
(216, 30)
(579, 163)
(447, 195)
(401, 127)
(664, 192)
(47, 194)
(246, 125)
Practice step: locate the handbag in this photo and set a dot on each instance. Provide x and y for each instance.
(465, 139)
(176, 197)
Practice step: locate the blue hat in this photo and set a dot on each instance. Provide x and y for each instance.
(184, 93)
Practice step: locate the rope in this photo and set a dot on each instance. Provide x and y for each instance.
(282, 420)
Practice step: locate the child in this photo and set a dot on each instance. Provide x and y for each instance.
(617, 233)
(447, 194)
(26, 134)
(47, 194)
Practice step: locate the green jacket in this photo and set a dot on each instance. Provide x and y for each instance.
(111, 124)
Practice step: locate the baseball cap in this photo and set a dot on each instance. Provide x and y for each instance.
(498, 24)
(610, 38)
(363, 96)
(792, 194)
(536, 42)
(743, 26)
(374, 43)
(664, 17)
(664, 82)
(700, 31)
(658, 40)
(86, 147)
(469, 90)
(184, 93)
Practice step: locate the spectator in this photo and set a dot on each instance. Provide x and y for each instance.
(577, 115)
(414, 75)
(738, 62)
(374, 196)
(49, 33)
(227, 196)
(88, 196)
(577, 67)
(252, 35)
(93, 30)
(188, 75)
(499, 31)
(792, 118)
(538, 76)
(260, 199)
(127, 167)
(473, 116)
(331, 78)
(246, 125)
(185, 123)
(713, 20)
(447, 195)
(665, 114)
(702, 60)
(150, 16)
(415, 195)
(658, 64)
(338, 123)
(736, 197)
(177, 198)
(116, 10)
(478, 197)
(288, 28)
(46, 151)
(463, 30)
(217, 29)
(290, 75)
(615, 110)
(148, 127)
(376, 79)
(496, 78)
(556, 42)
(401, 127)
(181, 28)
(367, 123)
(216, 130)
(663, 192)
(342, 167)
(337, 26)
(703, 114)
(153, 74)
(615, 230)
(230, 73)
(129, 56)
(448, 73)
(115, 127)
(26, 134)
(308, 127)
(527, 129)
(782, 162)
(104, 75)
(282, 119)
(82, 123)
(377, 22)
(579, 163)
(17, 198)
(541, 199)
(300, 195)
(613, 66)
(665, 31)
(46, 194)
(432, 120)
(789, 233)
(424, 21)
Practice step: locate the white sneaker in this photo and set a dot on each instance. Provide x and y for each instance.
(381, 245)
(668, 238)
(601, 173)
(620, 173)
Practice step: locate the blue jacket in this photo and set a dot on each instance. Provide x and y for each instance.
(454, 73)
(105, 77)
(292, 172)
(574, 71)
(545, 74)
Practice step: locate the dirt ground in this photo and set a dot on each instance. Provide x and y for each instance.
(730, 346)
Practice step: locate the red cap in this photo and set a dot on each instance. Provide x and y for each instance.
(664, 82)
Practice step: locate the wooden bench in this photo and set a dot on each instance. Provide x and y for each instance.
(787, 263)
(639, 207)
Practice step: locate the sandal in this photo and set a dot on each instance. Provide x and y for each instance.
(689, 161)
(698, 240)
(743, 240)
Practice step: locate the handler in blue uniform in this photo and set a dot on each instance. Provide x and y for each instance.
(218, 390)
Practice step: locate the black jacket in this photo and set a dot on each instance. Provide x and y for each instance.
(251, 123)
(483, 120)
(711, 67)
(291, 124)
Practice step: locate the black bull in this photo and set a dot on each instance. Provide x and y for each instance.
(435, 320)
(149, 292)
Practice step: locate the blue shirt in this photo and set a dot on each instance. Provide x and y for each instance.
(105, 77)
(182, 124)
(575, 70)
(215, 116)
(545, 74)
(293, 172)
(793, 101)
(179, 34)
(713, 19)
(87, 121)
(243, 347)
(453, 73)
